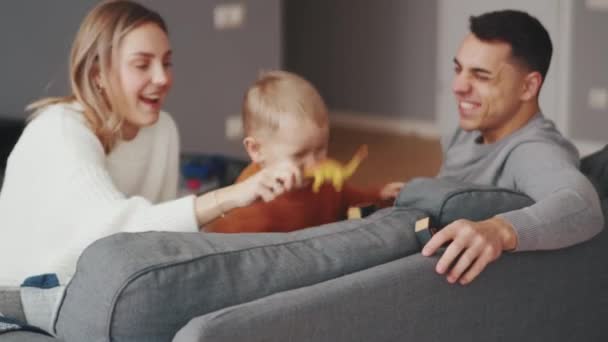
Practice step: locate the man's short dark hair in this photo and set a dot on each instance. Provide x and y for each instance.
(529, 40)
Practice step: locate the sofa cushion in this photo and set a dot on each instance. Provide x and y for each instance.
(146, 286)
(595, 167)
(10, 303)
(24, 336)
(446, 201)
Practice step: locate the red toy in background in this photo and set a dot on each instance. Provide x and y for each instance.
(200, 173)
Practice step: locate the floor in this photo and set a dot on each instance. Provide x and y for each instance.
(391, 157)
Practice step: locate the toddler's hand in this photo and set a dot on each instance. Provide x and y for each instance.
(391, 190)
(270, 182)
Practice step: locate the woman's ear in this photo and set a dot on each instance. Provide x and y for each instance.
(98, 82)
(254, 150)
(532, 83)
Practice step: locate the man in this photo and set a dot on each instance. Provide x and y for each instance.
(504, 140)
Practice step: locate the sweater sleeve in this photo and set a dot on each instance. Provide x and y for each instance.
(567, 209)
(93, 193)
(169, 190)
(254, 218)
(58, 197)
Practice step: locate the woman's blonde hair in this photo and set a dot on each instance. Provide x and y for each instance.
(277, 93)
(94, 53)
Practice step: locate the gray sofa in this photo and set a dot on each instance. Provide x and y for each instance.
(361, 280)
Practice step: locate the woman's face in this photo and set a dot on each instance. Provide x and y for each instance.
(144, 70)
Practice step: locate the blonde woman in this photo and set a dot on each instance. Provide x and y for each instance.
(105, 159)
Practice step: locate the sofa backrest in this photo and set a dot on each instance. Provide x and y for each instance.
(595, 167)
(531, 296)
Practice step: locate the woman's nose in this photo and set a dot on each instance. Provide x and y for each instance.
(161, 75)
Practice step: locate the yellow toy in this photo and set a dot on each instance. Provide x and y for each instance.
(333, 171)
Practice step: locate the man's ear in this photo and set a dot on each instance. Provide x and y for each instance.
(532, 83)
(253, 148)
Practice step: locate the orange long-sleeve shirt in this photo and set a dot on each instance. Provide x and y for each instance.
(297, 209)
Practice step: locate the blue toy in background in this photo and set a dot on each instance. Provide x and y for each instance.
(201, 173)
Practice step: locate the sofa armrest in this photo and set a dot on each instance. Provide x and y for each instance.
(23, 336)
(446, 200)
(146, 286)
(536, 296)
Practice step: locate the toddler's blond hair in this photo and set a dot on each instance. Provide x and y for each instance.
(276, 94)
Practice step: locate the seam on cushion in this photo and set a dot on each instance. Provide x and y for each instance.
(151, 268)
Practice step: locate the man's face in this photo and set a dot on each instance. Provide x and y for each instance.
(488, 87)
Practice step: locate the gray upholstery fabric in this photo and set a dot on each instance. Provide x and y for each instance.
(10, 303)
(144, 287)
(299, 287)
(446, 201)
(20, 336)
(595, 166)
(537, 296)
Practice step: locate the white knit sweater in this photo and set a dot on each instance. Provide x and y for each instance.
(62, 192)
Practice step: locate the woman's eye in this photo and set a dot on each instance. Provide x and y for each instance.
(141, 66)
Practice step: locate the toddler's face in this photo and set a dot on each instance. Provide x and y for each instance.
(302, 142)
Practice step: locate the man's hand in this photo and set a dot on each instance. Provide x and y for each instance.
(472, 246)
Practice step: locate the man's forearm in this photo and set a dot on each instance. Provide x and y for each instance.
(562, 219)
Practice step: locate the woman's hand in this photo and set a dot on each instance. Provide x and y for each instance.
(268, 183)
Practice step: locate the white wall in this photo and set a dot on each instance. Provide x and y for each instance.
(212, 68)
(589, 55)
(35, 40)
(373, 59)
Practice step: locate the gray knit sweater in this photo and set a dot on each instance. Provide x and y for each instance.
(538, 161)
